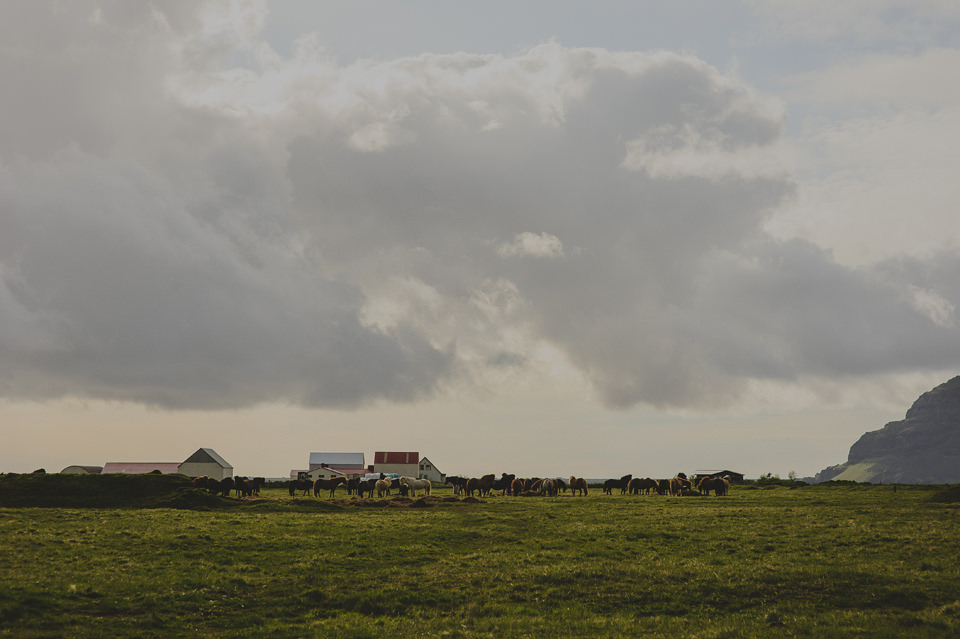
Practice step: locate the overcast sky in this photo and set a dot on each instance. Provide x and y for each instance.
(543, 238)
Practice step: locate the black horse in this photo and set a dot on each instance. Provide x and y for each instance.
(621, 483)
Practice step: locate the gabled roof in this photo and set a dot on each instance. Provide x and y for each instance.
(340, 460)
(140, 468)
(396, 458)
(207, 456)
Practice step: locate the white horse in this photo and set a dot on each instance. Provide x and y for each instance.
(416, 484)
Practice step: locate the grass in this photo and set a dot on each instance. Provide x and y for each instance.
(819, 561)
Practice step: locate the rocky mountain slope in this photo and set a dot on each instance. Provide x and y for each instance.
(923, 448)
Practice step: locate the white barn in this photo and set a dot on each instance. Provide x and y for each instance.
(207, 462)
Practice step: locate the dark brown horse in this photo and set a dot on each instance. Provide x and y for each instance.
(328, 484)
(621, 483)
(303, 485)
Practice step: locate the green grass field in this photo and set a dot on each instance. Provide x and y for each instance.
(819, 561)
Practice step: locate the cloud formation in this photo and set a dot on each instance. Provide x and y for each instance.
(181, 231)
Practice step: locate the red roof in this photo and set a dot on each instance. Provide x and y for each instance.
(396, 458)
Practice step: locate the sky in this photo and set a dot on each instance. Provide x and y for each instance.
(545, 238)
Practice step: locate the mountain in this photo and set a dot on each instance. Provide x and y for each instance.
(923, 448)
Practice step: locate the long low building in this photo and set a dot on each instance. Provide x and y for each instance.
(205, 461)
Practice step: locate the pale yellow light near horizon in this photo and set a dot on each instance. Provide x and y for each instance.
(556, 435)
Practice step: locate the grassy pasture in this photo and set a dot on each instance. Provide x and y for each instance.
(820, 561)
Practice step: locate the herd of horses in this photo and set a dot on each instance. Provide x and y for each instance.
(484, 486)
(508, 484)
(244, 486)
(382, 486)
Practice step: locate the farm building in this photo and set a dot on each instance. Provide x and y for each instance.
(82, 470)
(141, 468)
(429, 471)
(329, 465)
(405, 464)
(207, 462)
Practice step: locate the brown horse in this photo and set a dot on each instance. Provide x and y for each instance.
(328, 484)
(638, 486)
(578, 484)
(678, 485)
(482, 485)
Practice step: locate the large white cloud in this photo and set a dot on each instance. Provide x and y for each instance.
(296, 230)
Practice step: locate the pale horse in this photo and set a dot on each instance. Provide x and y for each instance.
(416, 484)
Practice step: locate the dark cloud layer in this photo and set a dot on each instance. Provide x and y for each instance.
(331, 236)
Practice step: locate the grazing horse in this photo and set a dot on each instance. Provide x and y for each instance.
(621, 483)
(481, 485)
(638, 486)
(256, 484)
(244, 489)
(416, 484)
(459, 484)
(383, 486)
(516, 487)
(328, 484)
(578, 484)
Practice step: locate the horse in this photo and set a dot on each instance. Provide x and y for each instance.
(638, 486)
(328, 484)
(244, 489)
(416, 484)
(303, 485)
(352, 485)
(256, 484)
(548, 487)
(578, 484)
(678, 484)
(383, 487)
(366, 486)
(226, 486)
(621, 483)
(481, 485)
(459, 484)
(516, 487)
(504, 483)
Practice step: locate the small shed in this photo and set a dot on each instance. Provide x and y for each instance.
(429, 471)
(207, 462)
(406, 464)
(82, 470)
